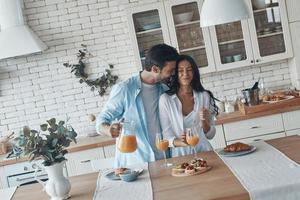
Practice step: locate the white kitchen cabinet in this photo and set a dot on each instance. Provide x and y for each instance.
(80, 162)
(293, 7)
(219, 140)
(253, 127)
(269, 30)
(261, 137)
(293, 132)
(159, 23)
(264, 37)
(187, 36)
(109, 151)
(148, 27)
(3, 182)
(291, 120)
(232, 45)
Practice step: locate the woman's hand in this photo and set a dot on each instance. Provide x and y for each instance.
(180, 142)
(204, 118)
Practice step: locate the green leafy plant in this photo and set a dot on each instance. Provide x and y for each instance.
(49, 143)
(102, 83)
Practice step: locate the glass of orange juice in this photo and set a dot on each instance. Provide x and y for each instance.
(192, 138)
(162, 145)
(127, 142)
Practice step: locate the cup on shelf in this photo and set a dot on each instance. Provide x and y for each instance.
(237, 57)
(228, 59)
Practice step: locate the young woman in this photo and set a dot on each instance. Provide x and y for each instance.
(187, 104)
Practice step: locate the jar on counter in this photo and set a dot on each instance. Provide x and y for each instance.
(229, 106)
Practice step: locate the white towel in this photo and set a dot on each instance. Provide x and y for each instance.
(267, 174)
(7, 193)
(139, 189)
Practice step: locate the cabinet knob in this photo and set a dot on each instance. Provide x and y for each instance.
(85, 161)
(257, 60)
(252, 61)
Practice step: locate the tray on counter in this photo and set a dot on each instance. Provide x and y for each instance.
(245, 109)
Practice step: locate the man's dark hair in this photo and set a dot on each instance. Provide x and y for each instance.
(160, 54)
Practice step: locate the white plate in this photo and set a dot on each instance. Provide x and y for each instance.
(233, 154)
(285, 98)
(111, 174)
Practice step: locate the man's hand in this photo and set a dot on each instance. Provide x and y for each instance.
(115, 129)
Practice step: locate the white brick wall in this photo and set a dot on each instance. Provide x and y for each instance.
(36, 87)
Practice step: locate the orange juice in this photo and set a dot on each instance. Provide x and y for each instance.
(162, 145)
(193, 140)
(127, 143)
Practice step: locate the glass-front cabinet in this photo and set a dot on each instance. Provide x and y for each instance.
(187, 35)
(232, 45)
(269, 30)
(264, 37)
(150, 28)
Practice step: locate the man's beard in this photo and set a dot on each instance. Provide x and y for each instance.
(169, 81)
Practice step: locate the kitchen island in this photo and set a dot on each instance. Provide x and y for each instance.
(219, 183)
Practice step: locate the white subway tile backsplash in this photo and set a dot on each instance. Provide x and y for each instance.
(37, 87)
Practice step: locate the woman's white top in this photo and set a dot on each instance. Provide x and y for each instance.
(173, 122)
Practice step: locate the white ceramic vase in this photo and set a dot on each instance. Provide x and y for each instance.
(57, 186)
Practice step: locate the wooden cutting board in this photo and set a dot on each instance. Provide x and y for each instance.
(268, 106)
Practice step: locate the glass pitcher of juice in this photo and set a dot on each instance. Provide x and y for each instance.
(127, 141)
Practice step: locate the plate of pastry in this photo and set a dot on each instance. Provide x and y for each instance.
(237, 149)
(194, 167)
(276, 98)
(115, 174)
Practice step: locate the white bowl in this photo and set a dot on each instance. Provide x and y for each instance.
(260, 4)
(183, 17)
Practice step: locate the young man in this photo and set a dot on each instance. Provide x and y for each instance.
(136, 99)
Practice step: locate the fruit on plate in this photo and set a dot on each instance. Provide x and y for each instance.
(194, 167)
(119, 171)
(237, 147)
(199, 163)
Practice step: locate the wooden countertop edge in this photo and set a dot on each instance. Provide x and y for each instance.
(71, 149)
(238, 116)
(91, 146)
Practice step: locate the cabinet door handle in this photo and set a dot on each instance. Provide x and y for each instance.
(85, 161)
(255, 140)
(254, 127)
(27, 178)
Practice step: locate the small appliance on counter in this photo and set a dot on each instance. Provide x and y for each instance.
(251, 95)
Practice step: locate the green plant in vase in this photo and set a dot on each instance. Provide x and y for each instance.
(49, 144)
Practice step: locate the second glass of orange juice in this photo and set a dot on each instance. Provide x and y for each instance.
(162, 145)
(192, 138)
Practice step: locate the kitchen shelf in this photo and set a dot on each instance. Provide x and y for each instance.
(148, 31)
(192, 49)
(264, 9)
(231, 41)
(187, 23)
(269, 35)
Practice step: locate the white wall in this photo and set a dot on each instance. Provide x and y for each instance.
(37, 87)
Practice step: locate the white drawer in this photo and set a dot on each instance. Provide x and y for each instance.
(293, 132)
(291, 120)
(219, 140)
(80, 162)
(261, 137)
(253, 127)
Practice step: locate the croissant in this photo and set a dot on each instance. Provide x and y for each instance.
(237, 147)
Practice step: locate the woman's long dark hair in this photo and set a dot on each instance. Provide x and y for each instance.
(196, 82)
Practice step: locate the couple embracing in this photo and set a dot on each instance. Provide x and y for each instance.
(156, 108)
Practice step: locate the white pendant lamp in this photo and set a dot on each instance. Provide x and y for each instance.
(216, 12)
